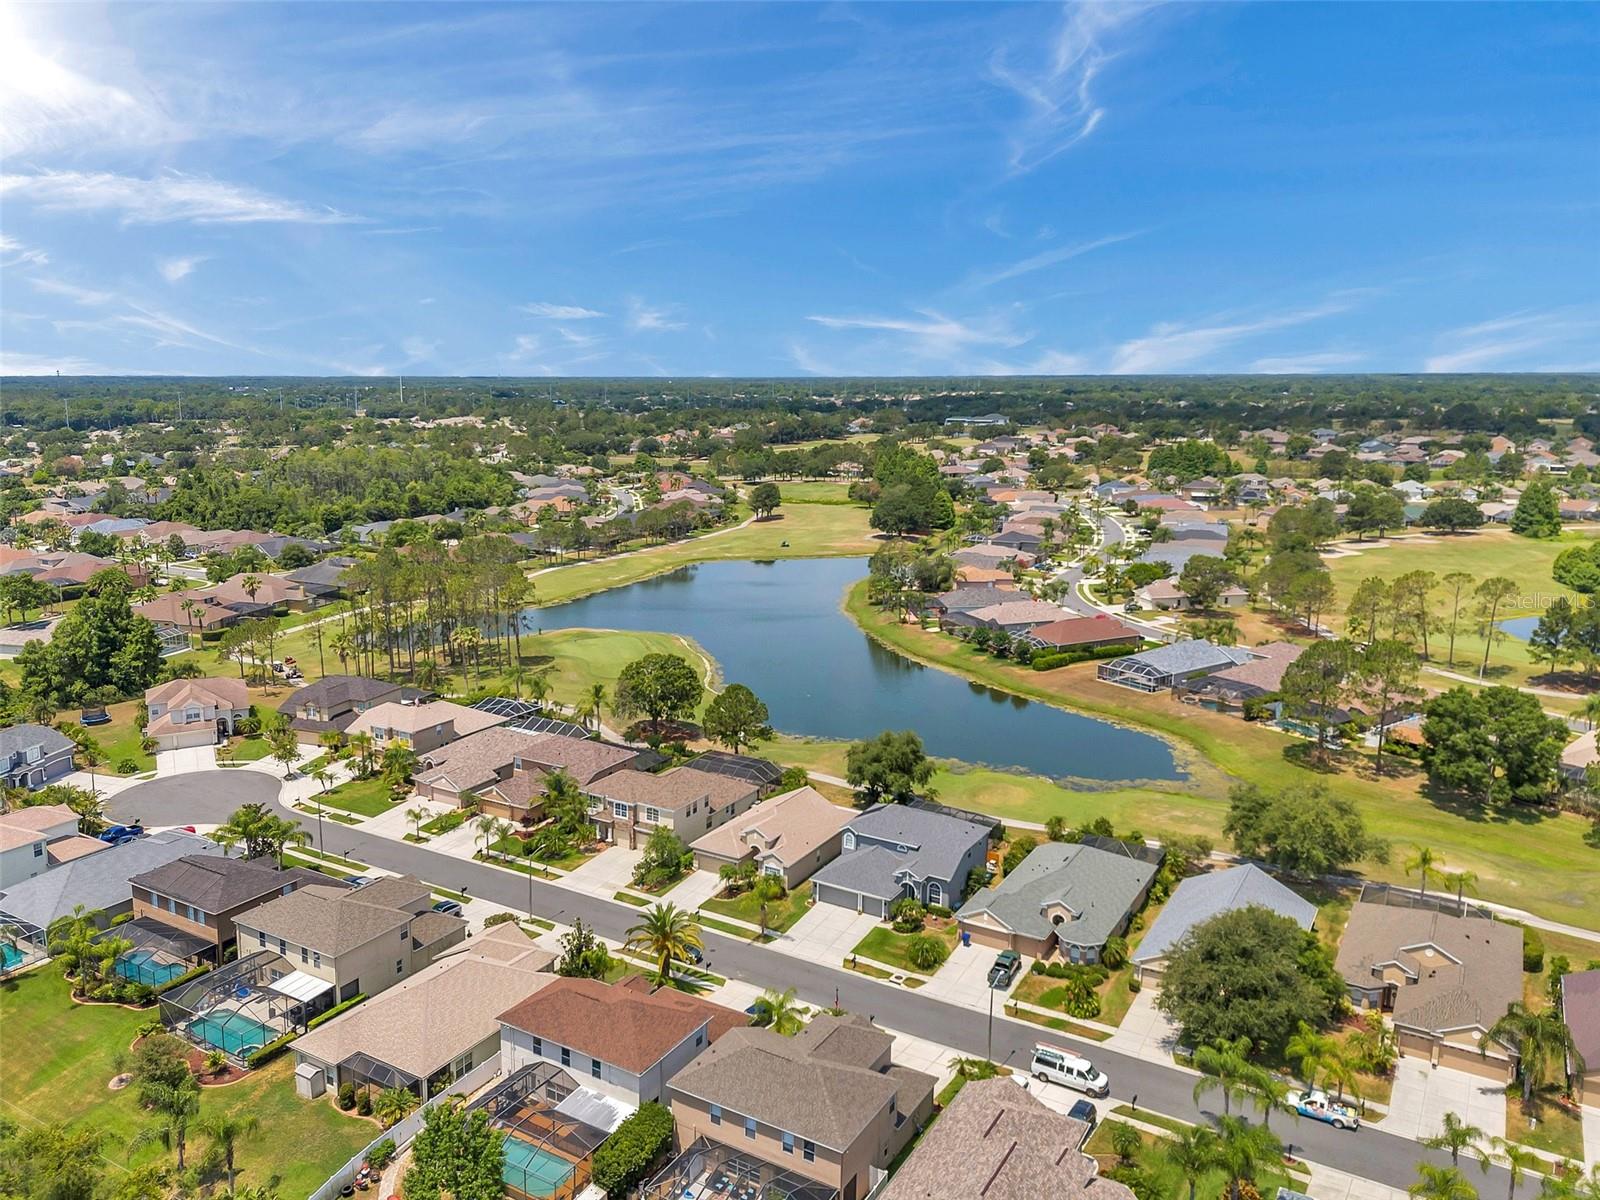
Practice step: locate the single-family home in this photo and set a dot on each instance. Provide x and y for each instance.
(196, 712)
(895, 850)
(478, 762)
(431, 1029)
(1066, 897)
(622, 1039)
(828, 1104)
(1200, 897)
(1580, 1009)
(34, 755)
(1444, 974)
(421, 728)
(1578, 756)
(96, 882)
(332, 703)
(34, 839)
(626, 806)
(351, 940)
(1232, 686)
(1167, 666)
(998, 1140)
(788, 836)
(1016, 616)
(1084, 633)
(322, 581)
(200, 895)
(951, 605)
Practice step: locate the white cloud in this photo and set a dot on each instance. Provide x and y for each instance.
(1172, 346)
(1058, 87)
(1047, 258)
(1518, 341)
(12, 363)
(1305, 364)
(82, 295)
(933, 331)
(174, 269)
(644, 319)
(14, 254)
(560, 312)
(162, 199)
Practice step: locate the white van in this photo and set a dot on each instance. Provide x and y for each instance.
(1052, 1064)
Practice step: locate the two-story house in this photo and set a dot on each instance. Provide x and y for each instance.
(32, 840)
(34, 755)
(508, 768)
(422, 727)
(627, 806)
(333, 702)
(354, 940)
(200, 895)
(196, 712)
(895, 850)
(827, 1104)
(787, 837)
(621, 1039)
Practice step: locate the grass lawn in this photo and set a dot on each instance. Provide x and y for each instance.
(63, 1076)
(119, 740)
(369, 797)
(246, 749)
(781, 914)
(1481, 554)
(1553, 1128)
(445, 822)
(884, 945)
(1168, 1180)
(1529, 859)
(827, 530)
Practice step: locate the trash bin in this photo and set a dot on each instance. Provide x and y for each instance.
(966, 938)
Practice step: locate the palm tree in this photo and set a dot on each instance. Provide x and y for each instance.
(344, 646)
(417, 814)
(1312, 1050)
(332, 742)
(666, 934)
(323, 776)
(319, 635)
(779, 1012)
(1193, 1153)
(1540, 1039)
(176, 1106)
(226, 1132)
(1223, 1066)
(1268, 1091)
(1441, 1183)
(1423, 863)
(362, 744)
(1519, 1161)
(1456, 1136)
(597, 698)
(1459, 882)
(1243, 1150)
(1591, 710)
(394, 1104)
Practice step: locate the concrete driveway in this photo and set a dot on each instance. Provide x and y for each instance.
(1145, 1030)
(1423, 1094)
(186, 761)
(607, 873)
(826, 934)
(694, 891)
(964, 978)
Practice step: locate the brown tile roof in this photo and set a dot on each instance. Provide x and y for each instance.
(474, 761)
(998, 1141)
(581, 758)
(674, 789)
(218, 690)
(411, 718)
(624, 1023)
(70, 849)
(786, 827)
(1083, 631)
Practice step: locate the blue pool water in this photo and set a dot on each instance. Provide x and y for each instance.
(141, 966)
(533, 1171)
(10, 957)
(230, 1032)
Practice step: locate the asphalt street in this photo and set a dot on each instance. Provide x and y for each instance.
(209, 797)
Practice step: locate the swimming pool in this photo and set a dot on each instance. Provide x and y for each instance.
(230, 1032)
(533, 1171)
(142, 966)
(10, 956)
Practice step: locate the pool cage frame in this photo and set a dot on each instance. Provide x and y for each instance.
(29, 941)
(166, 946)
(525, 1108)
(739, 1173)
(239, 991)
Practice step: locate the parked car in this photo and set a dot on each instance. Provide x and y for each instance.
(1052, 1064)
(118, 835)
(1083, 1110)
(695, 955)
(1006, 965)
(450, 908)
(1318, 1107)
(356, 881)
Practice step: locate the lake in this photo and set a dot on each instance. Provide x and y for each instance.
(778, 628)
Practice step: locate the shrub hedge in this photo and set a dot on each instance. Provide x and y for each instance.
(1066, 658)
(333, 1012)
(624, 1157)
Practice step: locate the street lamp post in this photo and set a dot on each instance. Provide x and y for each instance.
(989, 1053)
(320, 852)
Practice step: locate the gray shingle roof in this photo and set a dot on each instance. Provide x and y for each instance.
(1101, 888)
(16, 738)
(1198, 899)
(98, 880)
(935, 845)
(1180, 658)
(1580, 1005)
(215, 885)
(333, 920)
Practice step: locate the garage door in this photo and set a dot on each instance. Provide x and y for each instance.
(992, 938)
(1485, 1066)
(827, 894)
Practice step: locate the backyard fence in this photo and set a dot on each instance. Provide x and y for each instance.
(403, 1131)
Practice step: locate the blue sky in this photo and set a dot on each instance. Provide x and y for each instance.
(721, 189)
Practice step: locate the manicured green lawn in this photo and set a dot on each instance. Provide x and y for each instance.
(884, 945)
(119, 740)
(369, 797)
(60, 1055)
(1169, 1180)
(248, 749)
(445, 822)
(781, 914)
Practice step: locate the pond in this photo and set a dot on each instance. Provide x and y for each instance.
(778, 628)
(1520, 628)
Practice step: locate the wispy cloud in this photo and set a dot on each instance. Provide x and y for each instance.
(1522, 340)
(1172, 346)
(174, 269)
(932, 330)
(1305, 364)
(560, 312)
(14, 254)
(643, 318)
(13, 363)
(91, 297)
(1046, 258)
(162, 199)
(1057, 82)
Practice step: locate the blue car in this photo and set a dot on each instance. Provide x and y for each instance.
(118, 835)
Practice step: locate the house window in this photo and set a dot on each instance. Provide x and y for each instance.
(849, 840)
(652, 815)
(261, 940)
(594, 1067)
(935, 893)
(788, 1143)
(316, 958)
(750, 1128)
(566, 1056)
(38, 849)
(619, 809)
(716, 1114)
(283, 946)
(462, 1065)
(190, 715)
(305, 954)
(399, 966)
(808, 1151)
